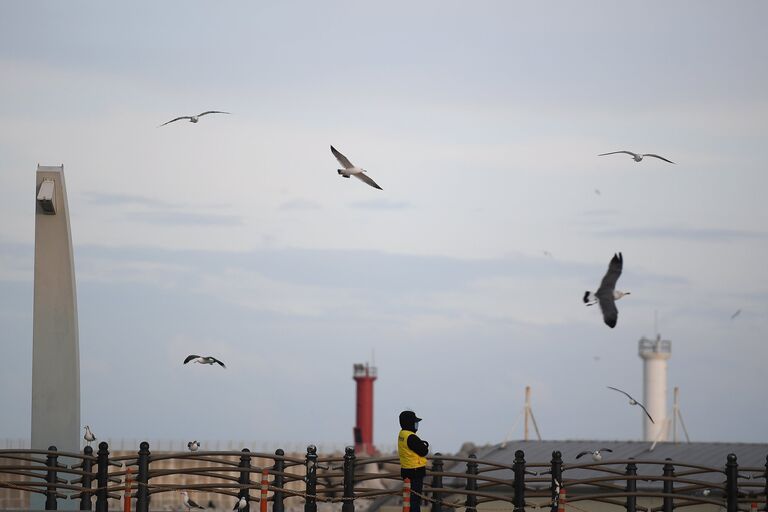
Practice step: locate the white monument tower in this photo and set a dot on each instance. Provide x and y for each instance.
(55, 352)
(655, 354)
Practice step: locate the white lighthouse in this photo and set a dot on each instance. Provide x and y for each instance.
(655, 354)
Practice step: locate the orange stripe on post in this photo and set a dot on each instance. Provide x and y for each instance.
(264, 489)
(127, 492)
(561, 501)
(407, 495)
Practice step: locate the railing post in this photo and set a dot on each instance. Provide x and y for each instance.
(349, 480)
(731, 483)
(245, 478)
(631, 472)
(471, 502)
(51, 477)
(142, 478)
(127, 492)
(102, 477)
(310, 503)
(407, 495)
(556, 470)
(264, 490)
(667, 504)
(278, 481)
(437, 483)
(518, 468)
(86, 499)
(765, 489)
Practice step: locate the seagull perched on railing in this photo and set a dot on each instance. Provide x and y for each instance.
(203, 360)
(194, 119)
(352, 170)
(607, 294)
(88, 436)
(193, 445)
(241, 503)
(637, 156)
(188, 503)
(632, 401)
(597, 455)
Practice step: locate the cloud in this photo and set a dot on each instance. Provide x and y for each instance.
(184, 218)
(694, 234)
(381, 204)
(300, 204)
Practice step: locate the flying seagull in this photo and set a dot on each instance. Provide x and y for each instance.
(597, 455)
(737, 313)
(241, 503)
(607, 294)
(203, 360)
(193, 445)
(637, 156)
(188, 503)
(547, 253)
(352, 170)
(632, 401)
(597, 191)
(194, 119)
(88, 436)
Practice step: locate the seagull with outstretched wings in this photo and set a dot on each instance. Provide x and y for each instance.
(607, 294)
(194, 119)
(632, 401)
(637, 157)
(350, 169)
(203, 360)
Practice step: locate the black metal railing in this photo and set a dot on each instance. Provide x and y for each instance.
(100, 481)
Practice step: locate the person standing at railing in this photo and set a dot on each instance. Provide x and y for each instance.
(413, 456)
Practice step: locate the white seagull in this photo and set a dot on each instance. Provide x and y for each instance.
(352, 170)
(193, 445)
(88, 436)
(632, 401)
(203, 360)
(637, 156)
(241, 503)
(607, 294)
(188, 503)
(597, 455)
(194, 119)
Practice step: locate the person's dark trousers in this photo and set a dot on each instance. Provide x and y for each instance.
(416, 476)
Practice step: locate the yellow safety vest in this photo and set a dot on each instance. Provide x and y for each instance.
(409, 459)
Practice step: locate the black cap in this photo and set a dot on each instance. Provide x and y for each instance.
(409, 417)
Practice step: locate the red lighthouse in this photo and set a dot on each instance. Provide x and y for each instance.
(364, 375)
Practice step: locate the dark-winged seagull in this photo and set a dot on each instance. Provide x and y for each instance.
(632, 401)
(88, 436)
(188, 503)
(194, 119)
(203, 360)
(597, 455)
(637, 156)
(350, 169)
(737, 313)
(607, 294)
(193, 445)
(241, 503)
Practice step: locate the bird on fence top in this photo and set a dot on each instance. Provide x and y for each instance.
(607, 294)
(88, 436)
(241, 503)
(632, 401)
(203, 360)
(193, 445)
(637, 156)
(194, 119)
(597, 456)
(188, 503)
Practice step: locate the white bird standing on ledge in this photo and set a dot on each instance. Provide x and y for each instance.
(241, 503)
(88, 436)
(188, 503)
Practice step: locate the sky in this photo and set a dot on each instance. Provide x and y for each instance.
(462, 279)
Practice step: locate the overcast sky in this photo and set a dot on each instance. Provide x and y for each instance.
(482, 122)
